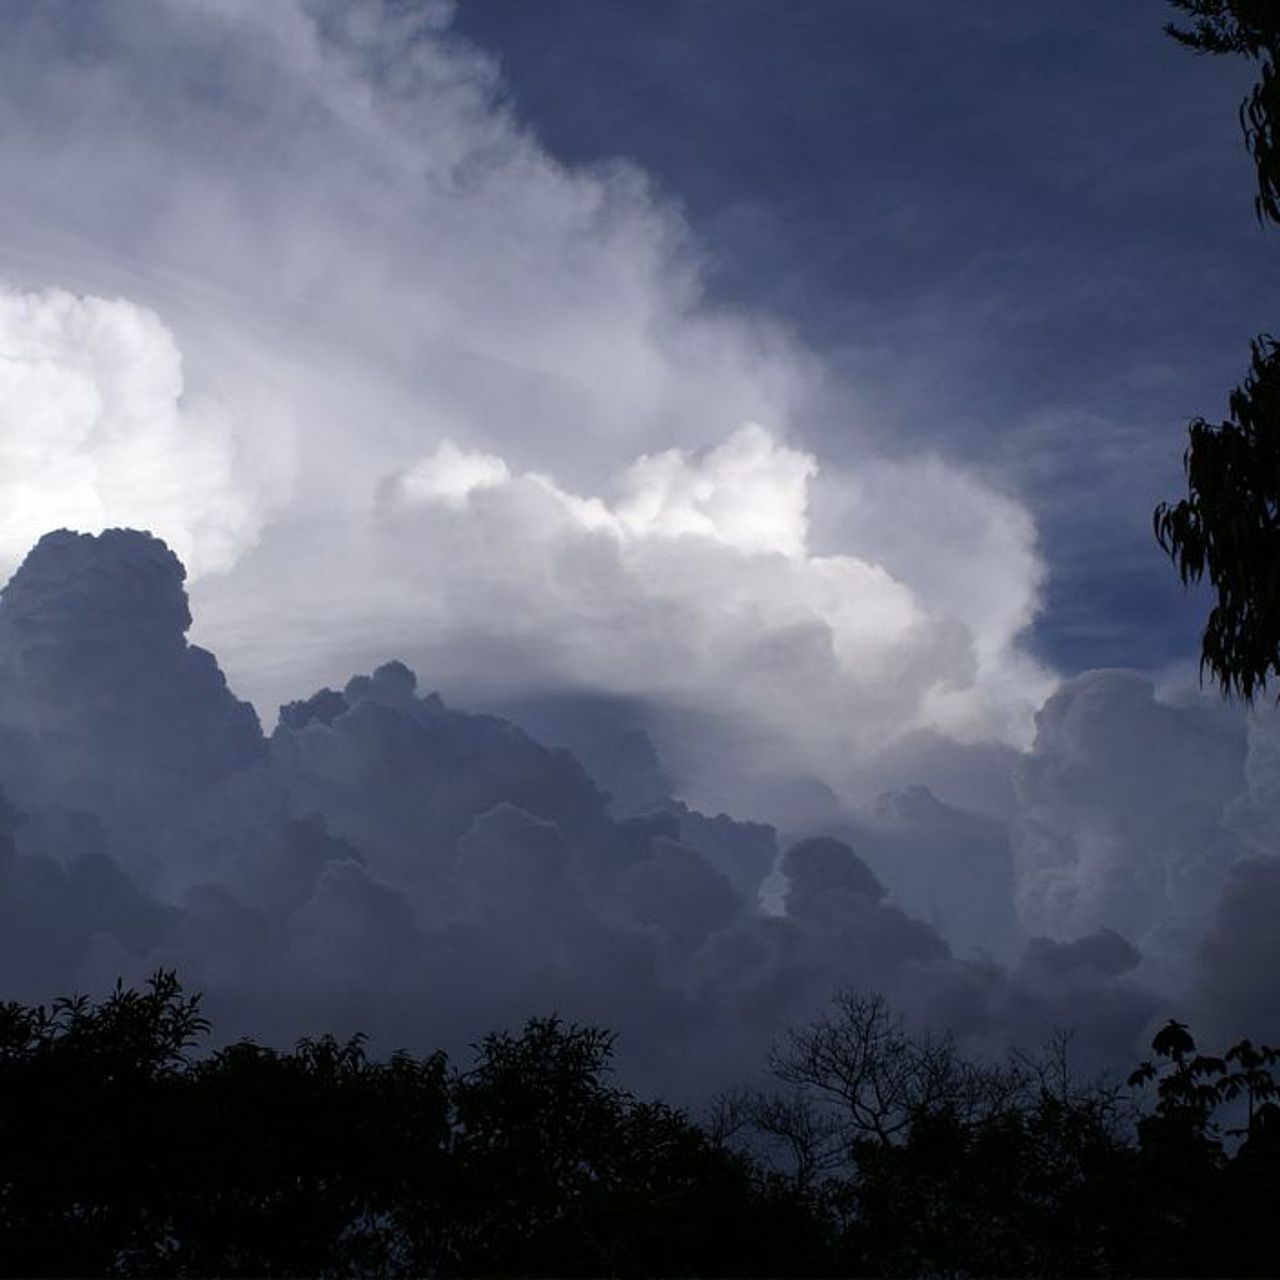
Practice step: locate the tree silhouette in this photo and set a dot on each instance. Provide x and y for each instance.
(122, 1152)
(925, 1162)
(862, 1061)
(558, 1172)
(1228, 526)
(308, 1162)
(1213, 1188)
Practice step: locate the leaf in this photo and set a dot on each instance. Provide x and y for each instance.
(1173, 1040)
(1144, 1073)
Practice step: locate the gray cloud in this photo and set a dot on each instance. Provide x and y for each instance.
(1122, 819)
(388, 863)
(293, 286)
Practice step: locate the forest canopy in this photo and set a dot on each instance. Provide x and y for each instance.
(128, 1147)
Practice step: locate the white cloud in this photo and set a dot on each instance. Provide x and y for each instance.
(475, 399)
(95, 432)
(449, 475)
(750, 493)
(695, 586)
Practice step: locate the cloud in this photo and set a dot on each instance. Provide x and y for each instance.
(949, 865)
(387, 863)
(293, 286)
(96, 431)
(1234, 992)
(101, 690)
(378, 345)
(1122, 824)
(693, 584)
(1234, 986)
(352, 234)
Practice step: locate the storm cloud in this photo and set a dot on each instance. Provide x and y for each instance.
(604, 685)
(384, 861)
(390, 377)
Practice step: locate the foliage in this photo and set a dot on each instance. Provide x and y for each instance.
(1251, 28)
(86, 1097)
(1200, 1179)
(922, 1163)
(557, 1172)
(124, 1152)
(926, 1162)
(1226, 526)
(1229, 528)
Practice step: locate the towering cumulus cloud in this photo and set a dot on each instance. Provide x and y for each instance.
(388, 863)
(1124, 814)
(696, 585)
(95, 430)
(292, 286)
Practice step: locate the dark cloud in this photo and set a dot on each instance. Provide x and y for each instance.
(93, 653)
(1235, 992)
(1122, 808)
(1104, 953)
(945, 864)
(293, 285)
(388, 863)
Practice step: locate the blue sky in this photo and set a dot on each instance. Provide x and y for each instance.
(1023, 233)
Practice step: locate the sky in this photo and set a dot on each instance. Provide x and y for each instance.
(1020, 237)
(766, 404)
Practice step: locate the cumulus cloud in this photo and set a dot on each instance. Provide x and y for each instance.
(949, 865)
(411, 385)
(1123, 807)
(95, 669)
(388, 863)
(291, 285)
(1234, 992)
(970, 552)
(692, 584)
(96, 431)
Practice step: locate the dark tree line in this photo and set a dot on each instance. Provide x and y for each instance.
(922, 1162)
(124, 1151)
